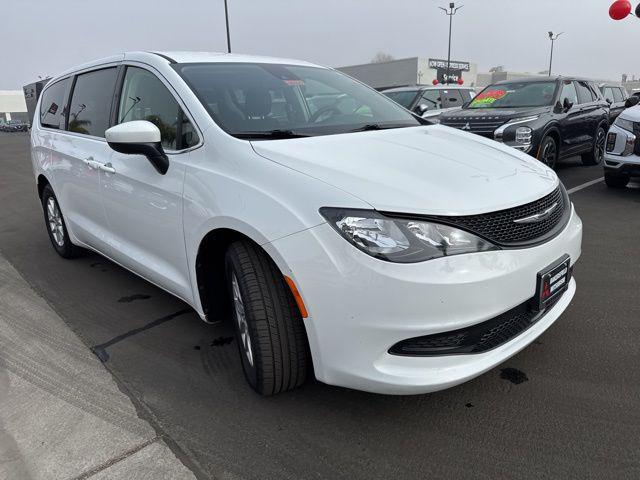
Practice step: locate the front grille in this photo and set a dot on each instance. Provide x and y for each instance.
(478, 338)
(500, 228)
(484, 126)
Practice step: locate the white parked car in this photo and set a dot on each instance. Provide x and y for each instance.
(622, 153)
(392, 256)
(431, 102)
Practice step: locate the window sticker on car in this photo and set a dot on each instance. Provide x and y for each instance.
(293, 83)
(487, 98)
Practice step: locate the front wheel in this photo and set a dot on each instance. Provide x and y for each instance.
(269, 327)
(595, 156)
(56, 226)
(548, 152)
(615, 181)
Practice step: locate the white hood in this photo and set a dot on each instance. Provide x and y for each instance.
(424, 170)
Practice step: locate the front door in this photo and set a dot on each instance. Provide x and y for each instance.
(570, 124)
(144, 207)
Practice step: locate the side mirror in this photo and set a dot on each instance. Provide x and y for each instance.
(139, 137)
(609, 101)
(566, 104)
(421, 109)
(631, 101)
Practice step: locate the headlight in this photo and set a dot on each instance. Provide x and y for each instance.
(523, 135)
(402, 240)
(624, 124)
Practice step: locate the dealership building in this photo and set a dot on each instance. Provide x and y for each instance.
(412, 71)
(12, 106)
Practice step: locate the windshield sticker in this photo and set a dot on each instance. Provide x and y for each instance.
(293, 83)
(487, 98)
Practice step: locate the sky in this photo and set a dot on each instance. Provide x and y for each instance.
(44, 37)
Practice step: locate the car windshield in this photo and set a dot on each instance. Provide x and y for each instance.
(403, 97)
(263, 101)
(515, 95)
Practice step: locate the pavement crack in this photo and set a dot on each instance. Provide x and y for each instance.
(100, 351)
(114, 460)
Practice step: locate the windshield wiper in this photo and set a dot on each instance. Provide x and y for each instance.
(270, 135)
(377, 126)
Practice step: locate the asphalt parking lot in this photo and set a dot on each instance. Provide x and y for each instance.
(566, 407)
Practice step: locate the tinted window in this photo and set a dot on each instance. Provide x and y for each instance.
(617, 95)
(585, 95)
(569, 92)
(52, 108)
(90, 105)
(432, 99)
(252, 100)
(144, 97)
(404, 97)
(515, 95)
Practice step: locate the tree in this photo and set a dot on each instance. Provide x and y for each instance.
(382, 57)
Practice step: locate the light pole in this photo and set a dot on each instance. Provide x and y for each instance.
(553, 38)
(226, 17)
(450, 12)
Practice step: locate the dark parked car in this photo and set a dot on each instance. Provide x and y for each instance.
(14, 126)
(549, 118)
(616, 96)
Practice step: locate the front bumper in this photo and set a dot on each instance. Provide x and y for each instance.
(360, 306)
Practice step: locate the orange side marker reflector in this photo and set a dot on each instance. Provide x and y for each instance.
(297, 296)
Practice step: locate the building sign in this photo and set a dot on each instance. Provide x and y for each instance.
(455, 70)
(437, 64)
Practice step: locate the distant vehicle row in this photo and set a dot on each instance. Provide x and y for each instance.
(14, 126)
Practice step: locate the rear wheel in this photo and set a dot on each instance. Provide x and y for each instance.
(56, 226)
(268, 325)
(595, 156)
(548, 152)
(616, 181)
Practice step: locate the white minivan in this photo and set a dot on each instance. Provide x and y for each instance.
(342, 235)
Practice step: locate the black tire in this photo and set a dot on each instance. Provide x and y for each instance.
(615, 181)
(60, 240)
(277, 358)
(595, 156)
(548, 152)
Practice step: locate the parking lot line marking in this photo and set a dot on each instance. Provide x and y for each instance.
(584, 185)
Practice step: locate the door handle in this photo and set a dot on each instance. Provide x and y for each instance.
(91, 163)
(107, 167)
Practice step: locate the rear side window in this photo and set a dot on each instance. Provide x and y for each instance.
(52, 107)
(144, 97)
(617, 95)
(585, 95)
(90, 106)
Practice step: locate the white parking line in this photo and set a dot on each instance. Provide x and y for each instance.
(584, 185)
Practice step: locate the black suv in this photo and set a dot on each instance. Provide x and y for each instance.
(549, 118)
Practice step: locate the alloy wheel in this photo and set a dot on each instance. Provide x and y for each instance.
(55, 221)
(549, 154)
(241, 319)
(599, 147)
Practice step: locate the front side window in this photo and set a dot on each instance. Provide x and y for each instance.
(608, 94)
(515, 95)
(90, 106)
(569, 92)
(452, 98)
(251, 100)
(144, 97)
(403, 97)
(52, 107)
(431, 99)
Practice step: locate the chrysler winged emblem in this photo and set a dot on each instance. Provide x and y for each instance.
(538, 217)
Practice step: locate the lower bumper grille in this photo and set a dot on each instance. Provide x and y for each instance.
(478, 338)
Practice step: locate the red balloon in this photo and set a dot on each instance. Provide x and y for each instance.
(435, 81)
(620, 9)
(460, 81)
